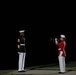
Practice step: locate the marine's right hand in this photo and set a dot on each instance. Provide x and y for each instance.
(18, 46)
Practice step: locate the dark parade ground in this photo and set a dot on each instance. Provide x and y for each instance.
(40, 22)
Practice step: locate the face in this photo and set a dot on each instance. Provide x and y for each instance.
(22, 34)
(61, 39)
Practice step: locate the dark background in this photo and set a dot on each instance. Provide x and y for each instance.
(40, 22)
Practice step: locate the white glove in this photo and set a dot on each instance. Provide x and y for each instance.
(56, 41)
(61, 53)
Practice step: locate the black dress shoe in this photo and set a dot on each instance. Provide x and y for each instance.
(61, 72)
(21, 71)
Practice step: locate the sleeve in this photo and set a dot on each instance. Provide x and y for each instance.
(18, 43)
(63, 45)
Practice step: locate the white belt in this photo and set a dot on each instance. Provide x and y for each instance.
(22, 44)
